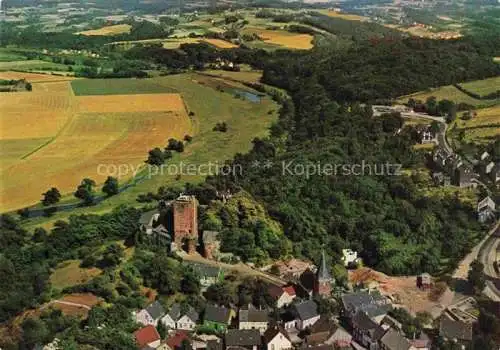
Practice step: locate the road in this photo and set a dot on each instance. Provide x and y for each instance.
(487, 256)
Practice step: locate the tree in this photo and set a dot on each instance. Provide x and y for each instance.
(34, 332)
(85, 191)
(50, 197)
(156, 157)
(220, 293)
(435, 127)
(162, 330)
(476, 276)
(111, 186)
(190, 283)
(112, 255)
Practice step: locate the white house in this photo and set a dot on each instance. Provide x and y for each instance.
(283, 295)
(349, 257)
(307, 314)
(150, 315)
(489, 167)
(276, 338)
(486, 210)
(253, 319)
(177, 319)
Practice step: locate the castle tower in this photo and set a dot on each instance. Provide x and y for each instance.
(323, 283)
(186, 222)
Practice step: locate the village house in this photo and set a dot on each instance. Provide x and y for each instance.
(147, 337)
(291, 269)
(148, 220)
(456, 331)
(175, 341)
(211, 244)
(253, 319)
(373, 304)
(484, 156)
(283, 295)
(218, 318)
(463, 177)
(276, 338)
(366, 331)
(426, 135)
(207, 274)
(249, 339)
(393, 340)
(177, 319)
(151, 314)
(349, 257)
(486, 210)
(489, 167)
(327, 331)
(424, 281)
(301, 316)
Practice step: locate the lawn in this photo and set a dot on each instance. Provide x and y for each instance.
(246, 120)
(84, 87)
(7, 55)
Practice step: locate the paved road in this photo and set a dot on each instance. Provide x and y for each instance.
(487, 256)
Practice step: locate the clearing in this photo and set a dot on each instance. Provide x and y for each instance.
(69, 273)
(33, 77)
(483, 87)
(109, 30)
(482, 128)
(402, 290)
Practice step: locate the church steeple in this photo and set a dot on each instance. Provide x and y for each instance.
(323, 285)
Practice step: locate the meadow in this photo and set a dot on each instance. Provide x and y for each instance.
(85, 87)
(482, 128)
(84, 136)
(483, 87)
(282, 38)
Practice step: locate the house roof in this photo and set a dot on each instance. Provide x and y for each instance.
(175, 312)
(306, 310)
(146, 335)
(175, 340)
(146, 217)
(395, 341)
(253, 315)
(192, 314)
(323, 271)
(214, 344)
(218, 314)
(486, 203)
(362, 321)
(210, 236)
(373, 304)
(452, 329)
(243, 337)
(156, 310)
(204, 270)
(273, 331)
(290, 290)
(321, 331)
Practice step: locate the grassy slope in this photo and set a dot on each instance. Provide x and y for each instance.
(245, 120)
(118, 87)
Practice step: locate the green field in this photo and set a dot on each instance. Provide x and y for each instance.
(246, 120)
(119, 87)
(32, 65)
(483, 87)
(7, 56)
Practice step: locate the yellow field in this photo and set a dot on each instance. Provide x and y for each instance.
(243, 76)
(222, 44)
(33, 77)
(52, 138)
(483, 127)
(130, 103)
(283, 38)
(109, 30)
(176, 43)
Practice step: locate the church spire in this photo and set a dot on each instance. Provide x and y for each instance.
(323, 271)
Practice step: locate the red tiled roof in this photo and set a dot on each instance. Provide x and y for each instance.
(175, 341)
(146, 335)
(290, 290)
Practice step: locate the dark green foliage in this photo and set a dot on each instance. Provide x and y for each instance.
(160, 272)
(220, 294)
(85, 191)
(476, 276)
(175, 145)
(112, 256)
(412, 326)
(50, 197)
(222, 127)
(111, 186)
(156, 157)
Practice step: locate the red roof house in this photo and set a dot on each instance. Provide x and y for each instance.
(147, 336)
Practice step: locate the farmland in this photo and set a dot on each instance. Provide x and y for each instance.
(282, 38)
(482, 128)
(483, 87)
(95, 127)
(108, 30)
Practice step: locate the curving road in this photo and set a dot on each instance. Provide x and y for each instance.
(487, 256)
